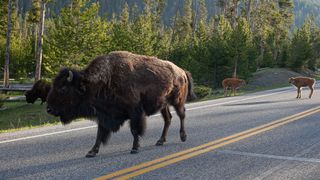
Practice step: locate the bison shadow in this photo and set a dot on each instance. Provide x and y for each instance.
(263, 102)
(103, 159)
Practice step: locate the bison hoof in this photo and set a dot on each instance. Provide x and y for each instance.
(134, 151)
(91, 154)
(183, 137)
(160, 143)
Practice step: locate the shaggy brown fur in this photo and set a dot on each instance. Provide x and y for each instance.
(233, 84)
(303, 82)
(118, 87)
(39, 90)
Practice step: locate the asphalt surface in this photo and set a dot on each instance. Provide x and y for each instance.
(289, 151)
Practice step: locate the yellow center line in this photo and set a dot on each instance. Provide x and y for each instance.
(208, 149)
(157, 163)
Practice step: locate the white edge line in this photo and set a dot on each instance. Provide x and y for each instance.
(289, 158)
(93, 126)
(47, 134)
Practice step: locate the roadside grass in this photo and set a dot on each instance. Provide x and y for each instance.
(218, 93)
(20, 115)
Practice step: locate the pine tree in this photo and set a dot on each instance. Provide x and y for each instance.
(73, 41)
(220, 58)
(240, 43)
(301, 49)
(34, 19)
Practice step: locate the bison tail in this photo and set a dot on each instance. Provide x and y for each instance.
(191, 95)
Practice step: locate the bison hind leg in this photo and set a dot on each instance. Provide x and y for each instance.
(137, 126)
(167, 121)
(180, 109)
(311, 91)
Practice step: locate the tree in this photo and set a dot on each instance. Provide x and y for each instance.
(73, 41)
(7, 53)
(223, 5)
(261, 28)
(201, 33)
(34, 18)
(234, 13)
(301, 49)
(121, 32)
(240, 44)
(315, 43)
(40, 41)
(248, 10)
(220, 59)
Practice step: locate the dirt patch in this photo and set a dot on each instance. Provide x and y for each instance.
(271, 77)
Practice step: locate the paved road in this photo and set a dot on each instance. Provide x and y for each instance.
(253, 136)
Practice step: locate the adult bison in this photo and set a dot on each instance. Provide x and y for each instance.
(118, 87)
(39, 90)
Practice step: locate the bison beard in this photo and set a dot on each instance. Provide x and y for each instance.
(118, 87)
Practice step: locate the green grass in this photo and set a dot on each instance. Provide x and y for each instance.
(20, 115)
(218, 93)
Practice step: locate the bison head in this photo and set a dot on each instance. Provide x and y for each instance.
(30, 96)
(243, 82)
(67, 97)
(291, 80)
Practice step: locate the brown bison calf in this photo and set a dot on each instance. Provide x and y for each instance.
(39, 90)
(303, 82)
(233, 84)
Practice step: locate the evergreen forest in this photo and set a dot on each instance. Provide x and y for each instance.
(212, 39)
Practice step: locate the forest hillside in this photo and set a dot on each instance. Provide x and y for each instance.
(211, 39)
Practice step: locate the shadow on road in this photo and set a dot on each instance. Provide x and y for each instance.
(265, 102)
(104, 159)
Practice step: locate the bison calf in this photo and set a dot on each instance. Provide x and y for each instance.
(118, 87)
(233, 84)
(303, 82)
(39, 90)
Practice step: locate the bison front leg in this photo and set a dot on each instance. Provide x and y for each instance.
(298, 92)
(225, 91)
(137, 125)
(167, 121)
(43, 100)
(102, 137)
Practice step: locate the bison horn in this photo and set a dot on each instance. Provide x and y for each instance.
(70, 77)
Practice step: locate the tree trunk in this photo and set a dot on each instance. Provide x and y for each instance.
(235, 67)
(276, 48)
(35, 33)
(194, 22)
(224, 8)
(7, 53)
(248, 11)
(261, 54)
(234, 13)
(40, 42)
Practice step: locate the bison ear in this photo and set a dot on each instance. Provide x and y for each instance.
(70, 76)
